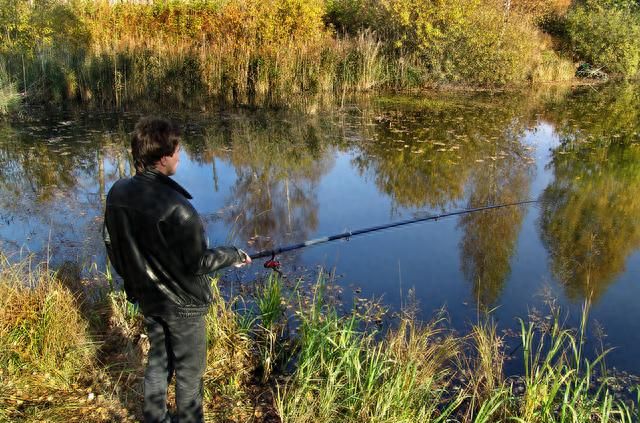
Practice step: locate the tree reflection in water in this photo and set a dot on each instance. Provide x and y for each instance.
(489, 238)
(591, 216)
(53, 175)
(591, 211)
(278, 164)
(436, 153)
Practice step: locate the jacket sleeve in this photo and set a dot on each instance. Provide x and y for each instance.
(107, 243)
(198, 259)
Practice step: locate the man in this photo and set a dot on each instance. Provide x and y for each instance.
(156, 242)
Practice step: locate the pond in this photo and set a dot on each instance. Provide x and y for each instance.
(266, 179)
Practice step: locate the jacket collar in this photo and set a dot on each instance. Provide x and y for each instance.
(154, 175)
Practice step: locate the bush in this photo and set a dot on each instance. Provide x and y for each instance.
(540, 10)
(493, 50)
(606, 34)
(351, 16)
(460, 41)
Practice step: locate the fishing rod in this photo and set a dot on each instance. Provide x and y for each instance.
(273, 264)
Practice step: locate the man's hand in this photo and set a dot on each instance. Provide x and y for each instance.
(245, 259)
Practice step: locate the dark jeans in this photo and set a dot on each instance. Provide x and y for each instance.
(176, 345)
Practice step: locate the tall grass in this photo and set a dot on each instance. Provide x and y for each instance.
(487, 391)
(58, 363)
(553, 68)
(9, 96)
(418, 373)
(230, 359)
(344, 374)
(270, 302)
(48, 367)
(75, 352)
(270, 53)
(558, 381)
(190, 75)
(41, 327)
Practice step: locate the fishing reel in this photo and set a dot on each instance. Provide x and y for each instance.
(273, 264)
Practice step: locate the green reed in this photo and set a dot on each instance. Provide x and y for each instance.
(558, 378)
(343, 373)
(347, 372)
(558, 383)
(270, 302)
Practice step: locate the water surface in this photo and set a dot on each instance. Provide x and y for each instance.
(266, 179)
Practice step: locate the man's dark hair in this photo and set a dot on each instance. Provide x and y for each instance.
(153, 138)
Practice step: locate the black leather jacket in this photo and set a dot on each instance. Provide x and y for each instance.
(156, 242)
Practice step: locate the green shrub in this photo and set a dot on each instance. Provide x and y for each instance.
(493, 49)
(421, 27)
(29, 25)
(606, 34)
(351, 16)
(459, 41)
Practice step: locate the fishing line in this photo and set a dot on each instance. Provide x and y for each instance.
(273, 264)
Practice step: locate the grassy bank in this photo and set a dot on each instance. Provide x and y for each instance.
(273, 53)
(72, 350)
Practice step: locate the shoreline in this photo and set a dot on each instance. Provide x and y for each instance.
(307, 105)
